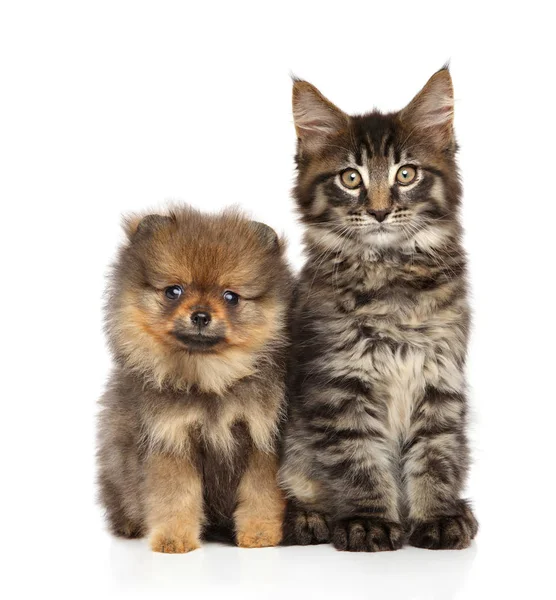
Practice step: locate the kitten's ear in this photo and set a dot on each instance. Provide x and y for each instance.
(314, 116)
(268, 237)
(135, 225)
(431, 113)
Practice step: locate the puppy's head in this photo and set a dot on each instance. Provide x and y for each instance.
(195, 297)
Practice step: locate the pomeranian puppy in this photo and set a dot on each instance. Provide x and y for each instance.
(188, 430)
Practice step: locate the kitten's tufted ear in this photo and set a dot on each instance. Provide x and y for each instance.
(431, 113)
(268, 237)
(315, 117)
(135, 225)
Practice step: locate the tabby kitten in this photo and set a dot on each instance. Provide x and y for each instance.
(375, 450)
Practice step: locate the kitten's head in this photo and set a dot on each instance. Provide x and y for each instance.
(385, 180)
(194, 297)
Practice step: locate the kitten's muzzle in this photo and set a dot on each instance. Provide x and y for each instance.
(379, 215)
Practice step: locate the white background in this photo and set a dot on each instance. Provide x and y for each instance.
(109, 107)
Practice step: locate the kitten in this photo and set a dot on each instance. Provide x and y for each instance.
(375, 448)
(189, 425)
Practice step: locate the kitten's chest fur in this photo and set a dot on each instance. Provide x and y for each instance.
(401, 328)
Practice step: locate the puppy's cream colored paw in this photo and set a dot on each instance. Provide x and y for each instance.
(173, 544)
(259, 534)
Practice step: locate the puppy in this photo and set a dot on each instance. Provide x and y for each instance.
(189, 423)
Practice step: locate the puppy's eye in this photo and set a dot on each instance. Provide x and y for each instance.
(231, 297)
(406, 175)
(350, 178)
(173, 292)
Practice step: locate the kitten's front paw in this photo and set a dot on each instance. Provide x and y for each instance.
(453, 532)
(302, 527)
(367, 535)
(259, 533)
(169, 543)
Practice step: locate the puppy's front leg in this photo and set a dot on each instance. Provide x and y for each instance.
(260, 511)
(174, 504)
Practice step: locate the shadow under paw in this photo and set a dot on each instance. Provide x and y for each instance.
(303, 527)
(367, 535)
(452, 532)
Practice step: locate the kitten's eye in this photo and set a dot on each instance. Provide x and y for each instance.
(231, 297)
(406, 175)
(351, 178)
(173, 292)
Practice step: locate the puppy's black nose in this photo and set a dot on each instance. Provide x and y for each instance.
(201, 319)
(379, 215)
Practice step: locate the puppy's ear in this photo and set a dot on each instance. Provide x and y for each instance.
(315, 117)
(136, 225)
(268, 237)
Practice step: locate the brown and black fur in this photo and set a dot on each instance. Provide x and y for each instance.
(189, 423)
(375, 450)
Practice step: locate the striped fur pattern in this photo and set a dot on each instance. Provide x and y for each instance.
(375, 450)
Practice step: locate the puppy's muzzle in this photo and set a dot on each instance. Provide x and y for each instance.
(201, 319)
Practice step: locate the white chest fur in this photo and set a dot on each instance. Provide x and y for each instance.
(401, 370)
(400, 357)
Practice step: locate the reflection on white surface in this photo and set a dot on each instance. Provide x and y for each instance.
(292, 572)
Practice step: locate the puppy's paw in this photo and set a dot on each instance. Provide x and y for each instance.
(303, 527)
(452, 532)
(367, 535)
(259, 533)
(168, 543)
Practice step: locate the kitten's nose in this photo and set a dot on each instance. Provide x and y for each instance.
(200, 318)
(379, 215)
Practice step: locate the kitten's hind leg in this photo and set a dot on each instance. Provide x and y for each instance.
(303, 526)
